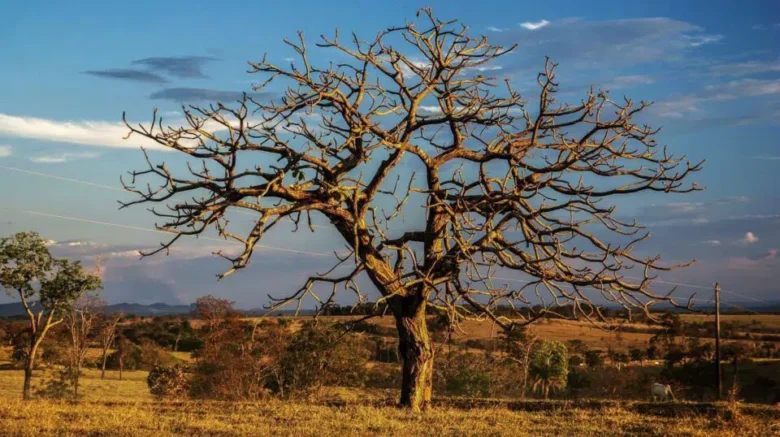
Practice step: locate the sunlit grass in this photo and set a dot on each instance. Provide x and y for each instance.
(113, 407)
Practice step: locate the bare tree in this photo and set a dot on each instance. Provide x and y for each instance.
(107, 337)
(80, 320)
(520, 350)
(505, 187)
(46, 288)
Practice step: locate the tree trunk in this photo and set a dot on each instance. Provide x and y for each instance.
(76, 384)
(120, 367)
(28, 369)
(27, 391)
(414, 347)
(103, 366)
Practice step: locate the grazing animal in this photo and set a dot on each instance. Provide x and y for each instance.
(662, 391)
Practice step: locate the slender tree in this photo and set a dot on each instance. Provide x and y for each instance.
(81, 320)
(46, 287)
(107, 338)
(409, 123)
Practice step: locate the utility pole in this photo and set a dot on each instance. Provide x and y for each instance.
(717, 339)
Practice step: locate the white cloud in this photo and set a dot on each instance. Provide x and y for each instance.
(434, 109)
(767, 157)
(5, 151)
(63, 157)
(577, 43)
(749, 238)
(700, 40)
(88, 133)
(745, 68)
(680, 106)
(629, 81)
(495, 29)
(490, 68)
(288, 59)
(711, 242)
(531, 25)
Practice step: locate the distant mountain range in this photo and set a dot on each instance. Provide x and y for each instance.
(162, 309)
(155, 309)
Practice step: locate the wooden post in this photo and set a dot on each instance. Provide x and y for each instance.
(717, 340)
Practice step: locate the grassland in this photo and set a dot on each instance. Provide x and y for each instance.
(113, 407)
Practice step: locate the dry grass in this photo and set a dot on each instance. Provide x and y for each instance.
(292, 418)
(768, 320)
(113, 407)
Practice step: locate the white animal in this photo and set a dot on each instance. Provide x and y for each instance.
(662, 392)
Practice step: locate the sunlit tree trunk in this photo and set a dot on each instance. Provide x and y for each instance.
(414, 347)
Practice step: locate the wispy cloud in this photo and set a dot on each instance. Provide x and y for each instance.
(577, 43)
(534, 25)
(629, 81)
(128, 74)
(184, 67)
(745, 68)
(61, 158)
(680, 106)
(767, 157)
(700, 40)
(5, 151)
(711, 242)
(496, 29)
(181, 95)
(90, 133)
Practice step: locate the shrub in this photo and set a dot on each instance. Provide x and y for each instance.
(151, 355)
(168, 382)
(594, 358)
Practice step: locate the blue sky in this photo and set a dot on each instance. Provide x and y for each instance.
(69, 70)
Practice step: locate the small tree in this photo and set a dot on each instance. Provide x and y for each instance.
(46, 287)
(520, 346)
(80, 320)
(594, 358)
(126, 355)
(107, 337)
(550, 366)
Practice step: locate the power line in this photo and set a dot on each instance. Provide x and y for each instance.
(137, 228)
(46, 175)
(61, 178)
(114, 188)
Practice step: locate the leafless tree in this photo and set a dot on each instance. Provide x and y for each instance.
(80, 320)
(506, 187)
(107, 337)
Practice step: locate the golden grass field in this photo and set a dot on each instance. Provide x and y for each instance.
(125, 408)
(114, 407)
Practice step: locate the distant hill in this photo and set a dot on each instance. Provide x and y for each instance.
(162, 309)
(155, 309)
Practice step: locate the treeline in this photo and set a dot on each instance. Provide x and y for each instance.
(234, 358)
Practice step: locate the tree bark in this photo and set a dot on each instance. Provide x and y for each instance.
(414, 347)
(103, 366)
(28, 369)
(27, 391)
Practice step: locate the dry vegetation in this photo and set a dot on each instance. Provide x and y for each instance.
(113, 407)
